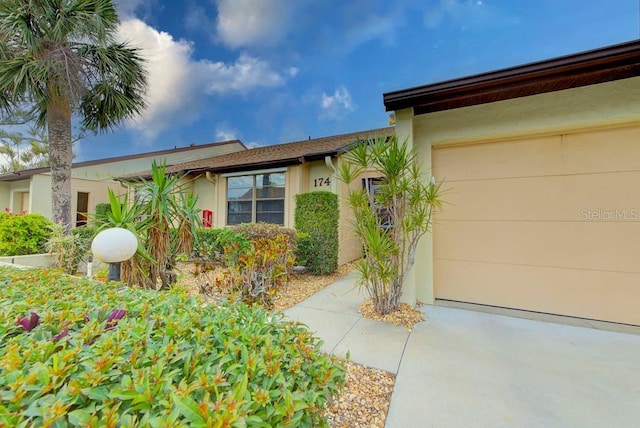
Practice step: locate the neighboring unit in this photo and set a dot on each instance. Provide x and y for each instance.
(30, 190)
(541, 172)
(260, 184)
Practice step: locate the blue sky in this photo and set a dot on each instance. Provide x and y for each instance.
(273, 71)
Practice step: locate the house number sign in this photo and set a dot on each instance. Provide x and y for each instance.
(322, 182)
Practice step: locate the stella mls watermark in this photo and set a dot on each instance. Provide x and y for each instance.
(625, 214)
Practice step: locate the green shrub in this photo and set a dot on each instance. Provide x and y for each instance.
(259, 264)
(22, 234)
(317, 215)
(304, 248)
(209, 243)
(102, 212)
(102, 355)
(70, 250)
(85, 233)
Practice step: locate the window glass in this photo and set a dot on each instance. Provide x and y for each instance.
(269, 186)
(240, 188)
(257, 198)
(270, 211)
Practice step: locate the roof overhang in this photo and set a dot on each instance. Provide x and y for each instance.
(586, 68)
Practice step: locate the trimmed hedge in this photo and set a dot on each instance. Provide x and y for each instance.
(23, 234)
(317, 216)
(80, 353)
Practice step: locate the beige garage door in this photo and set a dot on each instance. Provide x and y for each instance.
(548, 224)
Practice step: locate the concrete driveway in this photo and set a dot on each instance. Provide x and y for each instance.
(469, 369)
(462, 368)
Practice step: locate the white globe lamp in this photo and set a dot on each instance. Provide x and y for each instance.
(113, 246)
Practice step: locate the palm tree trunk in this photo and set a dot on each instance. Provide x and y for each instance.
(60, 158)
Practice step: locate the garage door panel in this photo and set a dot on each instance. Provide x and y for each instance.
(593, 246)
(593, 152)
(585, 294)
(549, 224)
(613, 196)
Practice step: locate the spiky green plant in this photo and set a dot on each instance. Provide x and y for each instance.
(391, 218)
(164, 218)
(60, 58)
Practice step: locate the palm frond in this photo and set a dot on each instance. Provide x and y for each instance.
(117, 87)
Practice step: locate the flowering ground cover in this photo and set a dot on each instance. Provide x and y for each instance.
(81, 353)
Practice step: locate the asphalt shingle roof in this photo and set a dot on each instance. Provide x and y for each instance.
(275, 155)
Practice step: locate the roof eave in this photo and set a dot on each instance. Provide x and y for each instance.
(497, 83)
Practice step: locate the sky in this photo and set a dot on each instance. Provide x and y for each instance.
(275, 71)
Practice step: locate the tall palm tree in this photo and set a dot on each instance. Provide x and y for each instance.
(60, 58)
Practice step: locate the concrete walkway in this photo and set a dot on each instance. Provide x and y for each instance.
(470, 369)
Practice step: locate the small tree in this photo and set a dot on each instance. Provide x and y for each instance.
(389, 217)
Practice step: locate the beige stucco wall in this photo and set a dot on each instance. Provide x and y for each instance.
(299, 179)
(4, 195)
(592, 108)
(38, 188)
(206, 193)
(40, 195)
(124, 167)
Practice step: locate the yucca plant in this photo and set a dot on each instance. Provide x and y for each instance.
(389, 217)
(164, 218)
(131, 217)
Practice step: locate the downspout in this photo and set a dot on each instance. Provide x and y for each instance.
(210, 177)
(329, 163)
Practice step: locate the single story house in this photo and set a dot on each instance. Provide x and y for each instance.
(260, 184)
(541, 169)
(30, 190)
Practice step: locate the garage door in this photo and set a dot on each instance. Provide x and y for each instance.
(549, 224)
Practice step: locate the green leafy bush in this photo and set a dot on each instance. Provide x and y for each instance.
(304, 248)
(85, 233)
(102, 212)
(92, 354)
(70, 250)
(317, 215)
(22, 234)
(209, 243)
(259, 263)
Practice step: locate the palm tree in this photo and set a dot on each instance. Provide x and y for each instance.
(60, 58)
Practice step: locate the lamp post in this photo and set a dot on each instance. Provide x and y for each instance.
(113, 246)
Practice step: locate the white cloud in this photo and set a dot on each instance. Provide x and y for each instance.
(225, 133)
(246, 73)
(197, 18)
(252, 22)
(335, 104)
(177, 82)
(466, 14)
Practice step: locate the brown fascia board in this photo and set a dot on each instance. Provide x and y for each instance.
(19, 175)
(577, 66)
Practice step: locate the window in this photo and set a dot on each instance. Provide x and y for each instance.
(373, 186)
(82, 207)
(256, 198)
